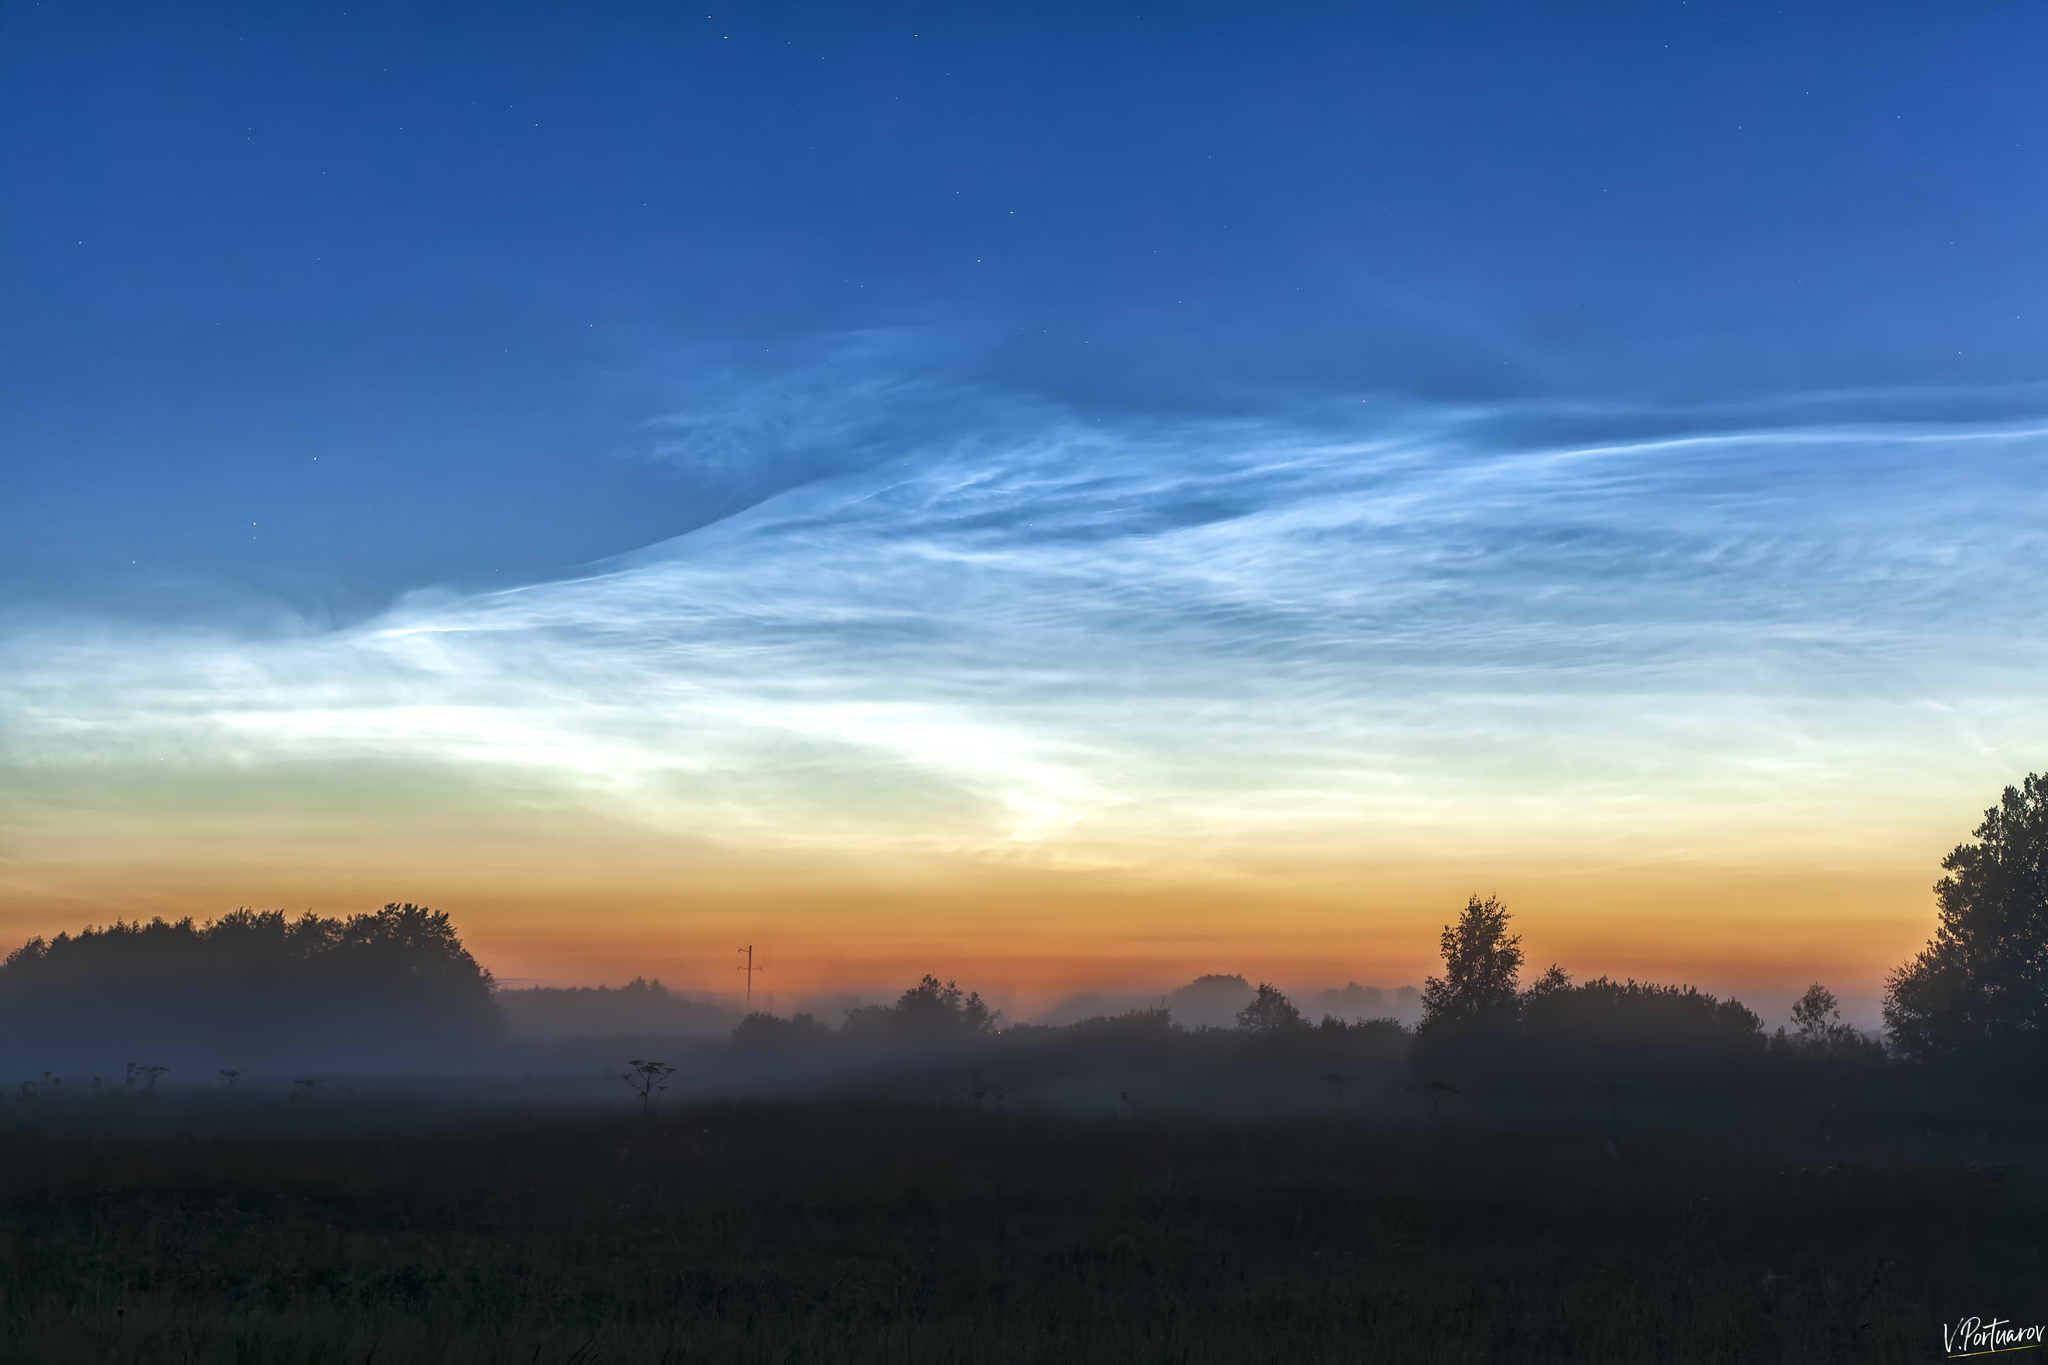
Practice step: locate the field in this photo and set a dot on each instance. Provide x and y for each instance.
(198, 1230)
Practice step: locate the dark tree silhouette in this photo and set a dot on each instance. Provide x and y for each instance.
(1605, 1013)
(1815, 1012)
(1553, 980)
(930, 1011)
(1818, 1030)
(1982, 980)
(408, 941)
(251, 986)
(1482, 965)
(1269, 1012)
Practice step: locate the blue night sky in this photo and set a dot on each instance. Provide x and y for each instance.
(1099, 427)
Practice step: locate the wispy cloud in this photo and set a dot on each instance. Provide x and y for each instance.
(1025, 633)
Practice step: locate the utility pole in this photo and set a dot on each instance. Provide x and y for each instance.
(749, 969)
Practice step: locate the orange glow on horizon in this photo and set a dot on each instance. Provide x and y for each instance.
(1029, 937)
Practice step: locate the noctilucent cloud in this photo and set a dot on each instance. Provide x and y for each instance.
(1318, 455)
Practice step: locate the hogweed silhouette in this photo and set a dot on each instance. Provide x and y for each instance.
(647, 1080)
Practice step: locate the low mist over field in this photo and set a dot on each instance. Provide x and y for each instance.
(627, 1173)
(1081, 683)
(255, 998)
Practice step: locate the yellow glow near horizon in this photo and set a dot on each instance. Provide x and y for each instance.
(1707, 709)
(545, 892)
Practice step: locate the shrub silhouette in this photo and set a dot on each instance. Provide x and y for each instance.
(640, 1008)
(763, 1030)
(1604, 1013)
(1133, 1026)
(1981, 983)
(1386, 1032)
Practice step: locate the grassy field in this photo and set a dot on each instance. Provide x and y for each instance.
(851, 1232)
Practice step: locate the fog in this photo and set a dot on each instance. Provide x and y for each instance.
(317, 1015)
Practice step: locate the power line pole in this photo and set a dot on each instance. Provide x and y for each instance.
(749, 969)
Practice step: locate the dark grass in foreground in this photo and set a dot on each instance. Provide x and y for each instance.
(846, 1232)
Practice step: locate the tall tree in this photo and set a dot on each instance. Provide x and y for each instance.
(1482, 966)
(1982, 980)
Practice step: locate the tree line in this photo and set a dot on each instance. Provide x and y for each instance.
(254, 986)
(1978, 989)
(399, 979)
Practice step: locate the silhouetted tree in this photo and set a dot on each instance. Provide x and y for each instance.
(1982, 980)
(930, 1011)
(1269, 1012)
(1818, 1030)
(1815, 1012)
(1209, 1000)
(1553, 980)
(1482, 963)
(251, 983)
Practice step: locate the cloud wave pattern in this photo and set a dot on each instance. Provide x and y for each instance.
(1070, 640)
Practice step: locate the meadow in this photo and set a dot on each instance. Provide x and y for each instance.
(1584, 1172)
(1846, 1217)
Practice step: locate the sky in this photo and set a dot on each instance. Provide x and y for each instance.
(1065, 496)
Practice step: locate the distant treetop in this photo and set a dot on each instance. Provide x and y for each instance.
(1270, 1012)
(410, 938)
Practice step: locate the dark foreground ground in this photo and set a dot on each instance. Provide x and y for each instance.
(137, 1230)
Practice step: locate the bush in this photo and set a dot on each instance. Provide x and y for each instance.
(762, 1030)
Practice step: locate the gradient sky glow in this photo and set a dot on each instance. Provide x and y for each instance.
(1065, 496)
